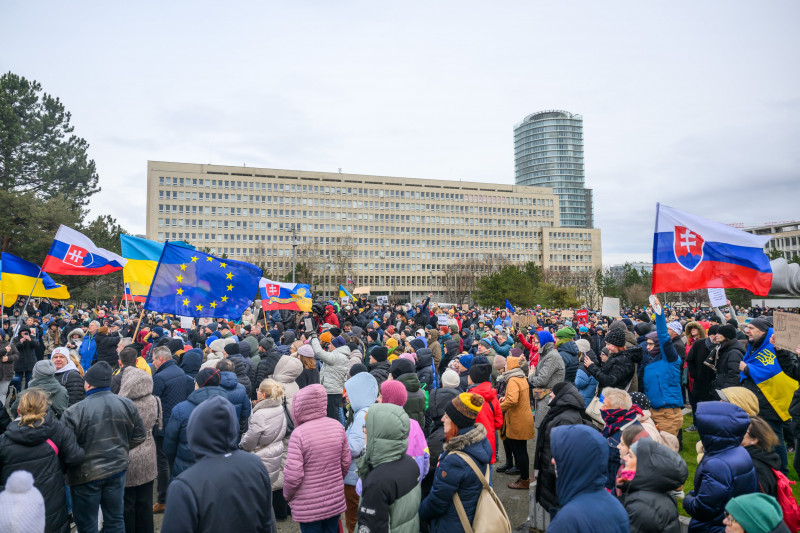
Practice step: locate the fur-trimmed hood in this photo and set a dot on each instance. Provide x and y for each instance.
(461, 441)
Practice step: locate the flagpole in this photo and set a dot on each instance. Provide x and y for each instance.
(25, 307)
(141, 315)
(127, 310)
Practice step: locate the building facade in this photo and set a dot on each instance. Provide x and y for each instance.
(400, 235)
(785, 237)
(548, 152)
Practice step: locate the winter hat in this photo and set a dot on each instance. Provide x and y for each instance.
(410, 356)
(391, 344)
(486, 342)
(62, 350)
(642, 328)
(545, 337)
(212, 326)
(379, 353)
(158, 330)
(208, 377)
(653, 336)
(306, 351)
(583, 329)
(628, 322)
(417, 344)
(740, 397)
(727, 331)
(515, 352)
(357, 369)
(335, 332)
(450, 379)
(393, 392)
(713, 330)
(565, 333)
(325, 337)
(499, 363)
(400, 367)
(675, 326)
(352, 345)
(44, 368)
(481, 372)
(756, 512)
(616, 337)
(232, 348)
(640, 399)
(464, 409)
(338, 341)
(267, 343)
(98, 375)
(643, 317)
(466, 360)
(21, 504)
(761, 323)
(373, 335)
(583, 345)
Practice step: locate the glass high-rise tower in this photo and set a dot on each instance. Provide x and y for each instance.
(548, 152)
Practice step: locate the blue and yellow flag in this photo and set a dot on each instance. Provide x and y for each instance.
(142, 256)
(344, 292)
(192, 283)
(763, 368)
(20, 277)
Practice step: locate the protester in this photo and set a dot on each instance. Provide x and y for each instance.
(26, 348)
(403, 371)
(310, 373)
(549, 371)
(393, 392)
(517, 419)
(760, 442)
(44, 379)
(754, 513)
(490, 415)
(9, 356)
(335, 366)
(235, 392)
(617, 415)
(617, 368)
(22, 508)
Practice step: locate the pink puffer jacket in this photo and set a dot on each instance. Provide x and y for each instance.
(317, 460)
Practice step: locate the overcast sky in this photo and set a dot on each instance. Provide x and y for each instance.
(693, 104)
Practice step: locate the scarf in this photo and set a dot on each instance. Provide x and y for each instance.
(615, 419)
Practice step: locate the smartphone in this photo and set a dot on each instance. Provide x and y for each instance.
(309, 325)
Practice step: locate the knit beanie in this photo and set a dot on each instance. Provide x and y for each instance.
(208, 377)
(713, 330)
(616, 337)
(400, 367)
(158, 330)
(410, 356)
(756, 512)
(325, 337)
(741, 397)
(727, 331)
(565, 333)
(450, 379)
(761, 323)
(43, 369)
(98, 375)
(499, 363)
(352, 345)
(583, 345)
(267, 343)
(379, 353)
(21, 505)
(391, 344)
(480, 372)
(357, 369)
(305, 351)
(515, 352)
(338, 341)
(486, 342)
(417, 344)
(640, 399)
(393, 392)
(544, 337)
(232, 348)
(464, 409)
(373, 335)
(335, 332)
(466, 360)
(675, 326)
(643, 317)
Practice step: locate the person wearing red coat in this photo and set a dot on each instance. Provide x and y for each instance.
(490, 415)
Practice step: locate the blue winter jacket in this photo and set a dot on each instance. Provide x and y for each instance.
(502, 349)
(569, 353)
(586, 385)
(726, 470)
(362, 390)
(454, 475)
(237, 395)
(662, 375)
(87, 351)
(581, 456)
(176, 442)
(173, 386)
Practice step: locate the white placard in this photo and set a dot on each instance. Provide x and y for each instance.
(345, 300)
(610, 307)
(186, 322)
(383, 300)
(442, 319)
(717, 297)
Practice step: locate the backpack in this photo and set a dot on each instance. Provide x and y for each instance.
(791, 512)
(490, 515)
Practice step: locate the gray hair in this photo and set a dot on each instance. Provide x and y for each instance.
(95, 322)
(617, 398)
(125, 341)
(162, 353)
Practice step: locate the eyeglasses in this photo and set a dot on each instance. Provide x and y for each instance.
(731, 520)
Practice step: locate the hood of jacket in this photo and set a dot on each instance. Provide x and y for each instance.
(288, 337)
(227, 380)
(191, 361)
(136, 384)
(658, 469)
(571, 348)
(568, 397)
(451, 346)
(410, 382)
(721, 425)
(213, 428)
(424, 358)
(387, 436)
(771, 459)
(472, 440)
(362, 389)
(76, 331)
(218, 345)
(69, 366)
(244, 349)
(434, 333)
(310, 403)
(486, 390)
(202, 394)
(581, 455)
(287, 369)
(29, 436)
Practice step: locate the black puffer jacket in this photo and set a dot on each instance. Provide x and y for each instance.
(26, 448)
(728, 357)
(72, 380)
(569, 353)
(765, 462)
(27, 353)
(415, 404)
(702, 374)
(618, 371)
(647, 499)
(564, 410)
(107, 348)
(424, 368)
(240, 368)
(269, 358)
(380, 371)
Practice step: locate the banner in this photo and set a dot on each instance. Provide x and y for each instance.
(278, 295)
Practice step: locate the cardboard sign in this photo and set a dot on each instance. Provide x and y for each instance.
(383, 300)
(787, 330)
(442, 319)
(610, 307)
(717, 297)
(527, 321)
(204, 321)
(345, 300)
(567, 315)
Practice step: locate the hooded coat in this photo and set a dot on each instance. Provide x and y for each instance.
(726, 470)
(7, 368)
(176, 437)
(581, 456)
(549, 371)
(569, 353)
(435, 347)
(137, 385)
(191, 361)
(454, 475)
(172, 386)
(269, 358)
(516, 406)
(424, 368)
(317, 461)
(264, 436)
(729, 354)
(335, 366)
(416, 403)
(237, 395)
(362, 390)
(27, 448)
(647, 500)
(490, 416)
(391, 493)
(195, 502)
(286, 372)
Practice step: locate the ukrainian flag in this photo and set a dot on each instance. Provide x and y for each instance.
(763, 367)
(343, 292)
(8, 300)
(142, 256)
(20, 277)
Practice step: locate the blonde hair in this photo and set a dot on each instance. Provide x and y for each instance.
(295, 346)
(77, 360)
(617, 398)
(271, 388)
(32, 407)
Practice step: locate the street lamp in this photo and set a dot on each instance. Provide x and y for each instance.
(295, 244)
(329, 266)
(430, 279)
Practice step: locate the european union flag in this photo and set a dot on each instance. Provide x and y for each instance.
(192, 283)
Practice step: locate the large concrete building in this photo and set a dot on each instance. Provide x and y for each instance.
(785, 237)
(400, 235)
(548, 152)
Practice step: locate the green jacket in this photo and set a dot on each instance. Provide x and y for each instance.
(58, 400)
(391, 492)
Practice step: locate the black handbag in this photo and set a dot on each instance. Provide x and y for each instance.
(289, 421)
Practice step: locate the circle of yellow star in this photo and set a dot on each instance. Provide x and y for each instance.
(198, 307)
(209, 258)
(230, 287)
(229, 275)
(194, 259)
(179, 291)
(179, 278)
(212, 305)
(183, 267)
(224, 298)
(223, 265)
(186, 302)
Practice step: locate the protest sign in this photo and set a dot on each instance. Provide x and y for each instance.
(345, 300)
(582, 316)
(186, 322)
(442, 319)
(717, 297)
(383, 300)
(610, 307)
(787, 330)
(567, 314)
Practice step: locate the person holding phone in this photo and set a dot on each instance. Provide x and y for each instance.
(26, 347)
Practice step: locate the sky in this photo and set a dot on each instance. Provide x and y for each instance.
(692, 104)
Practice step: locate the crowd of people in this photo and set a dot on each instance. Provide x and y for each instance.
(387, 418)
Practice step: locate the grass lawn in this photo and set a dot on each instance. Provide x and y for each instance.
(690, 456)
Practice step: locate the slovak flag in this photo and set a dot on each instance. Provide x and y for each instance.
(73, 253)
(690, 252)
